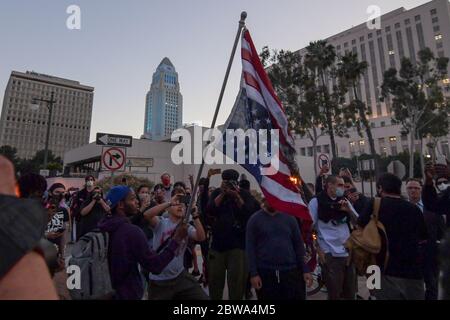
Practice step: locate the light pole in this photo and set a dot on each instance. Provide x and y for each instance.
(50, 102)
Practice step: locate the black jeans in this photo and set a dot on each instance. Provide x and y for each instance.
(281, 285)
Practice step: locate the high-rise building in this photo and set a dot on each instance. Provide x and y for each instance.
(164, 103)
(25, 128)
(402, 34)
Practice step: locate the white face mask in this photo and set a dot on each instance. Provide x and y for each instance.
(90, 183)
(442, 187)
(340, 192)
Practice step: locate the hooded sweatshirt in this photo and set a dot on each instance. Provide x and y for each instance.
(128, 247)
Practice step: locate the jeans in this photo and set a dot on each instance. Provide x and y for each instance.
(281, 285)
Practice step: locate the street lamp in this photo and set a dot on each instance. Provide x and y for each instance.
(35, 106)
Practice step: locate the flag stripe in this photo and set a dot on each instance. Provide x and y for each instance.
(273, 107)
(295, 209)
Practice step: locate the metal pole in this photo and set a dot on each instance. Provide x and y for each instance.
(50, 109)
(219, 102)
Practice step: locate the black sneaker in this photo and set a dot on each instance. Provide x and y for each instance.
(195, 273)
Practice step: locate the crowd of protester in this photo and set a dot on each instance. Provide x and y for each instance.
(229, 245)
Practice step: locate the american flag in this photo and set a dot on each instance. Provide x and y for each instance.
(258, 107)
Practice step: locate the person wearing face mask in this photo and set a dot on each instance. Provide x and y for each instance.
(332, 214)
(437, 201)
(92, 211)
(167, 186)
(58, 217)
(77, 201)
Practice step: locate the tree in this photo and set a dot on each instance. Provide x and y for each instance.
(296, 88)
(132, 181)
(417, 94)
(10, 153)
(320, 59)
(350, 70)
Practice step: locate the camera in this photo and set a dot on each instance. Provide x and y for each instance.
(335, 206)
(96, 196)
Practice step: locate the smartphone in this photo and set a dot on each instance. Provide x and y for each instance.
(185, 199)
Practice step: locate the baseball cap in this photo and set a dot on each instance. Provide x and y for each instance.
(117, 194)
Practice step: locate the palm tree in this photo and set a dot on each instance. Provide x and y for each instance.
(320, 58)
(350, 70)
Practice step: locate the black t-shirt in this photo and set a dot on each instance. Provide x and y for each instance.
(89, 222)
(405, 228)
(58, 221)
(228, 222)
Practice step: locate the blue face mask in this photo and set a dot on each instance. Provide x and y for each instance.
(340, 192)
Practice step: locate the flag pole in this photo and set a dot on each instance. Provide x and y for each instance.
(216, 113)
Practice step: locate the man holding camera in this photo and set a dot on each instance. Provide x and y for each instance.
(174, 282)
(92, 211)
(229, 209)
(332, 214)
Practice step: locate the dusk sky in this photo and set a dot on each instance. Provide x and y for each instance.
(121, 43)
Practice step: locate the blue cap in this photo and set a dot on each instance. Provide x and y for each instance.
(116, 194)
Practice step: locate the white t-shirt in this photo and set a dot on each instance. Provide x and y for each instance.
(163, 230)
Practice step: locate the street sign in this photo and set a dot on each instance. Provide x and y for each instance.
(398, 168)
(113, 159)
(140, 162)
(108, 139)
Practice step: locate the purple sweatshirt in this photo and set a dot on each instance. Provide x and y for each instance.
(128, 247)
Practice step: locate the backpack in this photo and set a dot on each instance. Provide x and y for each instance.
(364, 244)
(90, 254)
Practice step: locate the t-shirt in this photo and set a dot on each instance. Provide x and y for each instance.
(57, 221)
(162, 231)
(89, 222)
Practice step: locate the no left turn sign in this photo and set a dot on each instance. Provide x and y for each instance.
(113, 159)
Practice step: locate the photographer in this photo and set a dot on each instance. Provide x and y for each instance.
(229, 209)
(357, 199)
(92, 211)
(331, 214)
(58, 217)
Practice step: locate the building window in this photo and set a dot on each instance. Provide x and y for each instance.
(310, 152)
(436, 28)
(338, 47)
(303, 152)
(433, 12)
(326, 148)
(417, 18)
(407, 22)
(445, 149)
(382, 124)
(397, 26)
(435, 20)
(388, 29)
(393, 139)
(391, 52)
(319, 149)
(369, 36)
(353, 42)
(439, 45)
(438, 37)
